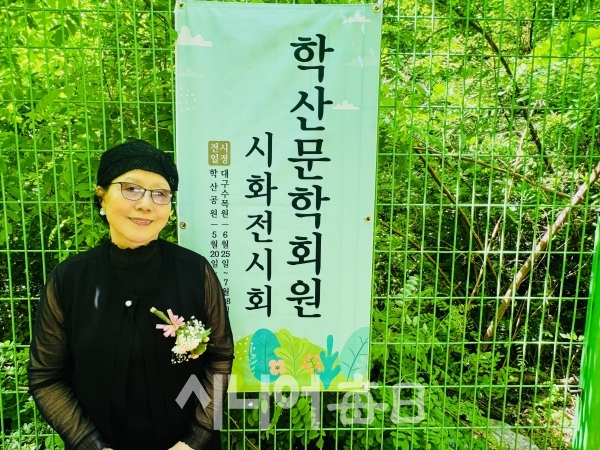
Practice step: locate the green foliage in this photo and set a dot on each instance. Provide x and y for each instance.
(488, 126)
(17, 406)
(487, 130)
(13, 371)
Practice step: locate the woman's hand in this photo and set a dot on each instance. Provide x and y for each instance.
(181, 446)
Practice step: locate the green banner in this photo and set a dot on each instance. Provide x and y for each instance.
(587, 435)
(276, 145)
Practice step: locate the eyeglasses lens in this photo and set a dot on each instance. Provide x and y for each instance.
(161, 196)
(134, 192)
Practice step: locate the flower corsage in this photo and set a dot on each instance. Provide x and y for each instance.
(191, 338)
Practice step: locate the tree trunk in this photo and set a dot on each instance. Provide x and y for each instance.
(541, 246)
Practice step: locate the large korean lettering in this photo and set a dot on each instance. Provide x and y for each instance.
(260, 225)
(307, 197)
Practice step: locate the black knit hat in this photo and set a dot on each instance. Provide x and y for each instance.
(136, 155)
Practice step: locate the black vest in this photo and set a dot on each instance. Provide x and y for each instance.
(94, 303)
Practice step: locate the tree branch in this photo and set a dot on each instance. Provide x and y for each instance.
(532, 27)
(524, 107)
(480, 274)
(500, 169)
(433, 34)
(464, 218)
(537, 252)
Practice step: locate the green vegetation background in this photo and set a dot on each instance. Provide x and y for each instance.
(487, 168)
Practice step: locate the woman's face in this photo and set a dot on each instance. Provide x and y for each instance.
(134, 223)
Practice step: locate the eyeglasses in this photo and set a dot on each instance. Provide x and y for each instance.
(134, 192)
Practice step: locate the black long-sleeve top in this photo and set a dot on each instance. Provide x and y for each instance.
(129, 414)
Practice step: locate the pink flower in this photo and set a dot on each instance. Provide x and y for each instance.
(176, 322)
(277, 366)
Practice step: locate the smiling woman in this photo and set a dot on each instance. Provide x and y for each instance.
(136, 215)
(100, 372)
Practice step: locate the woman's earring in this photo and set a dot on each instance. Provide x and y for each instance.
(102, 212)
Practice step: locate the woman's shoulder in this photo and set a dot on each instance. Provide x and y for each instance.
(79, 260)
(181, 253)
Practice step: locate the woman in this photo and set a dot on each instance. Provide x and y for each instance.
(101, 373)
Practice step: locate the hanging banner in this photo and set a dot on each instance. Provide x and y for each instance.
(276, 143)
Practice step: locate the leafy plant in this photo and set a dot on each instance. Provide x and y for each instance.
(329, 358)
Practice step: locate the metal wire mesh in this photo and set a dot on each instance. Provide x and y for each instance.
(487, 165)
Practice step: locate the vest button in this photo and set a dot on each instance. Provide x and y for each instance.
(128, 303)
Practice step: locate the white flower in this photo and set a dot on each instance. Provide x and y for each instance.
(185, 344)
(191, 337)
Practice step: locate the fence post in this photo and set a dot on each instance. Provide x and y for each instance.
(587, 434)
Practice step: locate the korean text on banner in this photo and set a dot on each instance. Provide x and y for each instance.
(276, 144)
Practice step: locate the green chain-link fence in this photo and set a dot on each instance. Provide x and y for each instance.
(487, 169)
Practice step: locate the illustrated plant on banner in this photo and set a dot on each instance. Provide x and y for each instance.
(276, 144)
